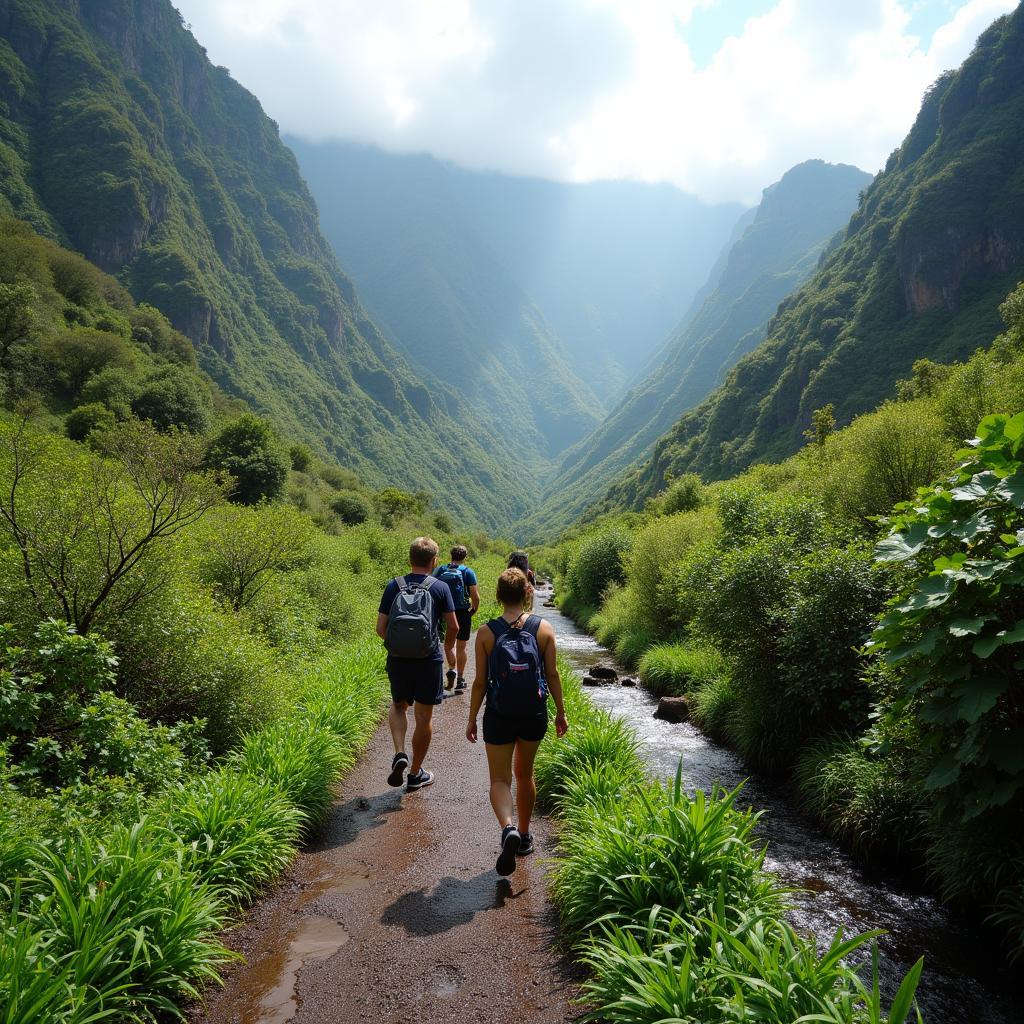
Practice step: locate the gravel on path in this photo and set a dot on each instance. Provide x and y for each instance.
(395, 915)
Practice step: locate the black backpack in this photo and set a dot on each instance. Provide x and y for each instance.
(411, 632)
(515, 669)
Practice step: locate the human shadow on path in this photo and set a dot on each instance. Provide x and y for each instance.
(345, 822)
(452, 902)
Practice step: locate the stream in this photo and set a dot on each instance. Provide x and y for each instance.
(966, 979)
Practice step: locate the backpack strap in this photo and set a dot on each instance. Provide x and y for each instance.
(532, 625)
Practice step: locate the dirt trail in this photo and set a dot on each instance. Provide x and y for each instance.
(396, 913)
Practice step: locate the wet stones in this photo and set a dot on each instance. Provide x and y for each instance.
(673, 709)
(628, 681)
(604, 672)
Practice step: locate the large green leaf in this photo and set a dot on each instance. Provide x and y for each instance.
(1012, 490)
(945, 773)
(898, 547)
(968, 627)
(978, 696)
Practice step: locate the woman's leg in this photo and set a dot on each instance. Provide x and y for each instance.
(526, 786)
(499, 764)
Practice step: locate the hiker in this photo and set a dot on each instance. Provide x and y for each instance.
(410, 612)
(515, 670)
(521, 560)
(462, 583)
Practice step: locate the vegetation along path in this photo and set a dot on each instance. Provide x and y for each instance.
(396, 913)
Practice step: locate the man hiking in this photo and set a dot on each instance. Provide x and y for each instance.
(462, 583)
(410, 612)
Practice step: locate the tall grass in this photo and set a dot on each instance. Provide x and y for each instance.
(665, 898)
(678, 669)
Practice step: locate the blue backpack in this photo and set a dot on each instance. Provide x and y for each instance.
(452, 575)
(515, 669)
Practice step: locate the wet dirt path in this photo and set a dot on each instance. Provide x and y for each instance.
(395, 914)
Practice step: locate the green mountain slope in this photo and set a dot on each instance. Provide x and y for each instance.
(444, 297)
(935, 245)
(453, 261)
(121, 140)
(776, 248)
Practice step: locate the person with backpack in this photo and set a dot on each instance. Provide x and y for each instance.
(462, 583)
(516, 668)
(521, 560)
(411, 609)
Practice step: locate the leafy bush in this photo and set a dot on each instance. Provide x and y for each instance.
(174, 396)
(351, 507)
(74, 356)
(301, 457)
(84, 419)
(115, 388)
(954, 630)
(248, 449)
(677, 669)
(598, 563)
(684, 494)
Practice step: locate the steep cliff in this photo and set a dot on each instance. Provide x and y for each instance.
(936, 243)
(119, 138)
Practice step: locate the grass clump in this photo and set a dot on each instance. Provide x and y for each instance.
(677, 669)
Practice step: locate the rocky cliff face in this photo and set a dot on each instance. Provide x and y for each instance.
(119, 138)
(935, 245)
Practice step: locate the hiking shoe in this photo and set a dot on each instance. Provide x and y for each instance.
(460, 686)
(525, 844)
(449, 679)
(510, 841)
(419, 780)
(398, 765)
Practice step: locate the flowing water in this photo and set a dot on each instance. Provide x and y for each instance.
(965, 978)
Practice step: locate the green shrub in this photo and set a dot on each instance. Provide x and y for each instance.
(84, 419)
(237, 832)
(351, 507)
(868, 801)
(304, 760)
(677, 669)
(599, 561)
(684, 494)
(174, 396)
(115, 388)
(301, 457)
(248, 449)
(74, 356)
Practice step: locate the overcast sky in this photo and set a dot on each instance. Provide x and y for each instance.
(719, 97)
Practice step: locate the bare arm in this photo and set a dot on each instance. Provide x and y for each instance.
(479, 691)
(546, 636)
(382, 624)
(474, 599)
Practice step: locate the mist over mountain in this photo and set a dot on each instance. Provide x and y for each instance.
(935, 245)
(598, 273)
(774, 249)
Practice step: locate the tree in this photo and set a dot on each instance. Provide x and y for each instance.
(174, 397)
(823, 423)
(301, 457)
(87, 527)
(75, 355)
(249, 450)
(246, 546)
(683, 495)
(16, 317)
(394, 504)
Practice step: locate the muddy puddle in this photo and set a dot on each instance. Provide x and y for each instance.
(965, 980)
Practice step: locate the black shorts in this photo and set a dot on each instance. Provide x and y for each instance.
(502, 729)
(465, 617)
(416, 679)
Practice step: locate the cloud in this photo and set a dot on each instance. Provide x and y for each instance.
(583, 89)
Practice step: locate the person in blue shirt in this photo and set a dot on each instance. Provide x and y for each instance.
(462, 582)
(417, 681)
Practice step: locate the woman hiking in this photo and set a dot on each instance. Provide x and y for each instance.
(515, 669)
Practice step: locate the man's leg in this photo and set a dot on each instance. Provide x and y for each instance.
(398, 722)
(526, 785)
(499, 765)
(461, 656)
(424, 714)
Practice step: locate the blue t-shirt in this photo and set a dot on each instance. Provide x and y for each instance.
(468, 578)
(441, 598)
